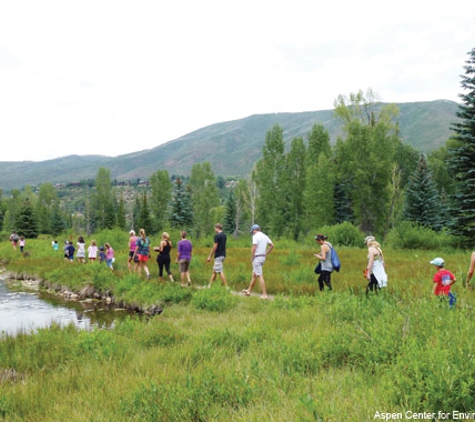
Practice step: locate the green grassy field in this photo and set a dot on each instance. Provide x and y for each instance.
(215, 356)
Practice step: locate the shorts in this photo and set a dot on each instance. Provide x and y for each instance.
(132, 258)
(184, 265)
(257, 264)
(218, 264)
(142, 258)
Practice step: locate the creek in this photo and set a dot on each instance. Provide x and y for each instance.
(27, 311)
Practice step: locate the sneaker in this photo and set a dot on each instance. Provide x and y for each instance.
(148, 276)
(246, 292)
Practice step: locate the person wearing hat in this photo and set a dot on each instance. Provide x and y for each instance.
(132, 246)
(375, 271)
(261, 247)
(443, 280)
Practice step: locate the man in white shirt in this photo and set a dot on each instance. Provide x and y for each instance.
(261, 247)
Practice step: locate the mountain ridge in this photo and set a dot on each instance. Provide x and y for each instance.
(231, 147)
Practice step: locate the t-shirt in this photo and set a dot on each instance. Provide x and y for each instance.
(133, 243)
(92, 251)
(184, 249)
(70, 251)
(443, 278)
(143, 246)
(261, 241)
(220, 239)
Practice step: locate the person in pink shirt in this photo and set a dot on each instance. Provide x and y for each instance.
(132, 246)
(109, 255)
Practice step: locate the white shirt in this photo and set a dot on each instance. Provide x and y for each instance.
(261, 241)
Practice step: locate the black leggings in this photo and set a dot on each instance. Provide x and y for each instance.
(163, 263)
(325, 277)
(372, 285)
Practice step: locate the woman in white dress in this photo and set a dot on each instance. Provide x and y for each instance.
(375, 271)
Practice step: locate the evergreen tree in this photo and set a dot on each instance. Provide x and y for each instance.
(422, 198)
(229, 224)
(57, 224)
(26, 222)
(145, 218)
(120, 221)
(462, 159)
(181, 216)
(136, 224)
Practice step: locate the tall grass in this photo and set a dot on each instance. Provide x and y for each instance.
(214, 356)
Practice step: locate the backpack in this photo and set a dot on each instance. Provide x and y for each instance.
(335, 260)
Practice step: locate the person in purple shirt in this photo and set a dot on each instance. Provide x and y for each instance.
(183, 257)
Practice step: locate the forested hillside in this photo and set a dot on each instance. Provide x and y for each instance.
(232, 147)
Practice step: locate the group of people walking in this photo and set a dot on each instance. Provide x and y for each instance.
(140, 253)
(100, 253)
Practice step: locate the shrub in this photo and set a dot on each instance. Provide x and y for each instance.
(409, 235)
(344, 234)
(215, 299)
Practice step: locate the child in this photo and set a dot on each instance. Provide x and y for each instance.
(55, 245)
(22, 244)
(92, 251)
(102, 255)
(109, 255)
(443, 280)
(70, 251)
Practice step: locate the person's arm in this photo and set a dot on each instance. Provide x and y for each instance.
(453, 280)
(369, 267)
(269, 248)
(434, 288)
(136, 248)
(323, 252)
(178, 252)
(212, 252)
(471, 269)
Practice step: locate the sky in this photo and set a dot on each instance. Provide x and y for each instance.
(111, 77)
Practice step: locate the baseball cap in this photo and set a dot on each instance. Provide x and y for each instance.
(368, 239)
(255, 227)
(437, 261)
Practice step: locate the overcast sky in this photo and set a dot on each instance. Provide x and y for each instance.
(110, 77)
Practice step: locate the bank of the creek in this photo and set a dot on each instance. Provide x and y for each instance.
(28, 304)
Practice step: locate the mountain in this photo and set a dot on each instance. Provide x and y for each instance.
(231, 147)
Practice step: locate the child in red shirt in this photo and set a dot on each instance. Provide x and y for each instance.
(443, 280)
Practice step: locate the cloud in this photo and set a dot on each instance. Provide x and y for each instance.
(111, 77)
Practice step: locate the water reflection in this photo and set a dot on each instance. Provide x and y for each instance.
(27, 311)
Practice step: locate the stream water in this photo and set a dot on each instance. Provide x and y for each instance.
(22, 311)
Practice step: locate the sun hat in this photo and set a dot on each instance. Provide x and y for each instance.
(255, 227)
(132, 232)
(439, 262)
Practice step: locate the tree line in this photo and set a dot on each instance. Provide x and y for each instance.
(369, 178)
